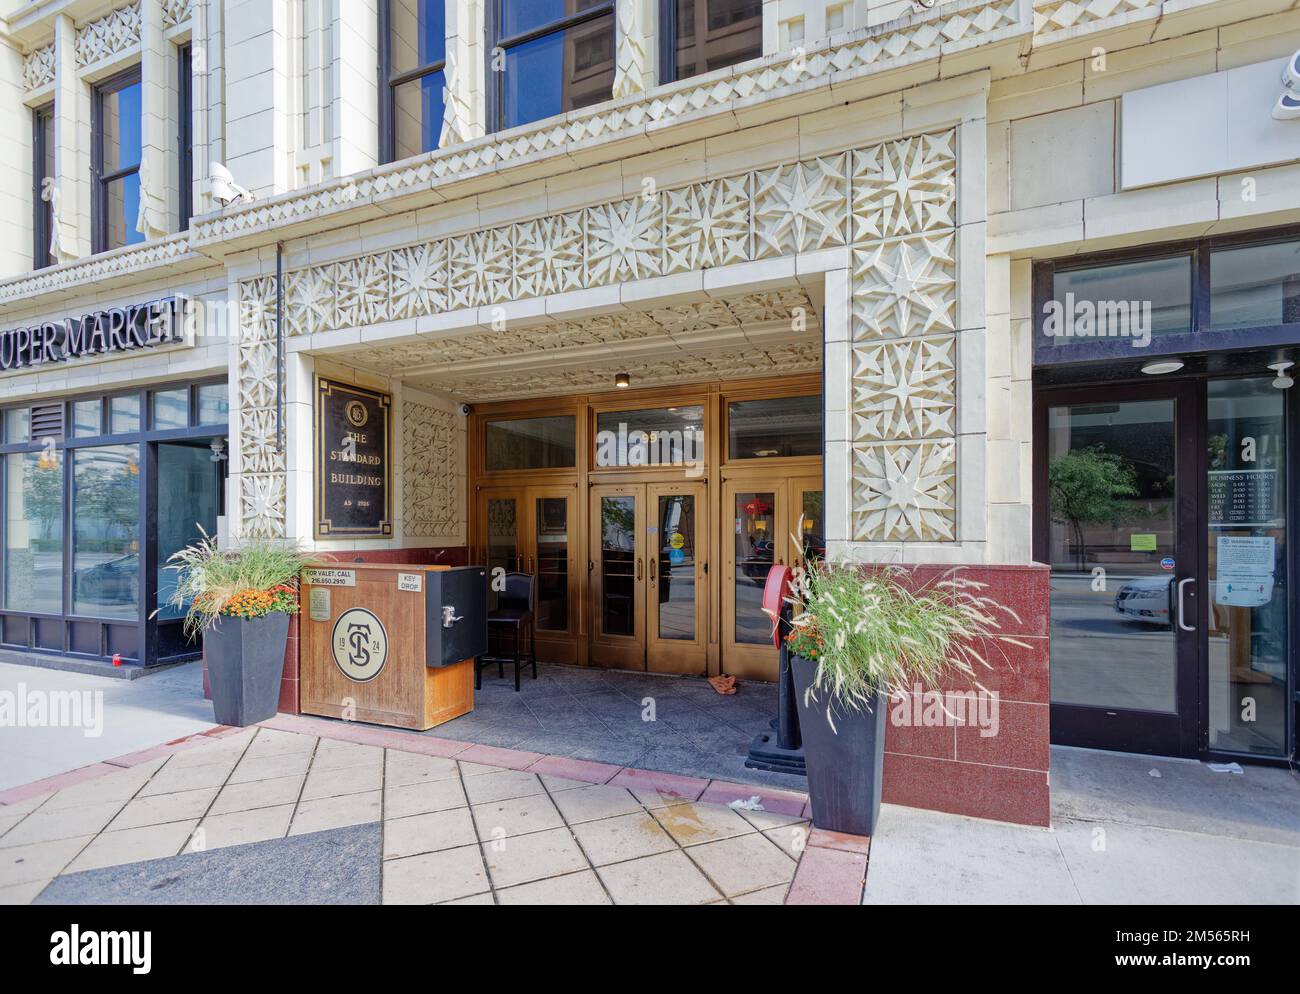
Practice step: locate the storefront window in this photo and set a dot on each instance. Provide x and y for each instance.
(531, 443)
(106, 532)
(214, 404)
(18, 424)
(779, 426)
(662, 436)
(34, 532)
(1133, 300)
(1254, 287)
(86, 417)
(171, 409)
(124, 415)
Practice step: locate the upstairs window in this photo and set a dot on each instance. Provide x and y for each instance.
(702, 35)
(42, 186)
(548, 57)
(185, 133)
(414, 56)
(115, 161)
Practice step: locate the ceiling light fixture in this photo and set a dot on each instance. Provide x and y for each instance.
(622, 380)
(1162, 366)
(1284, 380)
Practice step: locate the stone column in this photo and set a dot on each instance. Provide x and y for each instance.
(71, 147)
(464, 104)
(159, 205)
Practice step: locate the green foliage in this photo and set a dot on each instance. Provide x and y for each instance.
(1088, 487)
(210, 579)
(874, 634)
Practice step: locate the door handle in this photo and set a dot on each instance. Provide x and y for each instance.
(652, 568)
(1182, 613)
(638, 567)
(530, 564)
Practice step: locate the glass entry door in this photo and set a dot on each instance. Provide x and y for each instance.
(534, 530)
(1116, 474)
(647, 573)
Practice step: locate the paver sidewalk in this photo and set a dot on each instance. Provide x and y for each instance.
(303, 810)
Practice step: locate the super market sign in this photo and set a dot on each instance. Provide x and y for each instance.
(109, 331)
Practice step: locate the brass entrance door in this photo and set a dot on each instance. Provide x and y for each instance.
(534, 530)
(648, 592)
(766, 521)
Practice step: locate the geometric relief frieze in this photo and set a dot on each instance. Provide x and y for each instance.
(904, 287)
(430, 471)
(418, 279)
(905, 187)
(549, 254)
(904, 389)
(904, 491)
(801, 207)
(624, 240)
(706, 224)
(479, 267)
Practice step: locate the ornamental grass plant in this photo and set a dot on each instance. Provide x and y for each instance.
(256, 579)
(874, 634)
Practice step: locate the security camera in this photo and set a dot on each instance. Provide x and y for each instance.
(1291, 73)
(224, 188)
(464, 410)
(1287, 107)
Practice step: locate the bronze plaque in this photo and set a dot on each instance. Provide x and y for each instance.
(354, 478)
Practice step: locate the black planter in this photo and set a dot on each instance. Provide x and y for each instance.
(844, 764)
(245, 663)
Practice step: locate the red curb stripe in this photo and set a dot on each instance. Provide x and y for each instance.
(57, 782)
(823, 839)
(567, 768)
(510, 759)
(667, 784)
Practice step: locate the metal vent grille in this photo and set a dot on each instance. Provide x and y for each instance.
(47, 421)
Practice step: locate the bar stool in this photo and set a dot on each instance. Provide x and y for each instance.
(513, 613)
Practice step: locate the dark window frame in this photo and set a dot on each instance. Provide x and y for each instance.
(668, 40)
(1199, 339)
(42, 209)
(496, 80)
(145, 438)
(185, 134)
(390, 81)
(100, 179)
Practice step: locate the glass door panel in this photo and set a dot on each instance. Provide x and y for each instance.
(618, 576)
(1120, 539)
(754, 539)
(1247, 550)
(808, 526)
(676, 588)
(550, 560)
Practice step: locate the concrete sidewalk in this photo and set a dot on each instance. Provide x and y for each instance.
(1125, 830)
(136, 714)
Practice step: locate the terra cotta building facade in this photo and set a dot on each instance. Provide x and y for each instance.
(811, 252)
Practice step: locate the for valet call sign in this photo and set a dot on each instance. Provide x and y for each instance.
(103, 332)
(353, 460)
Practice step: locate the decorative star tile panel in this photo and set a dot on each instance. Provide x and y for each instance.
(904, 492)
(418, 276)
(801, 207)
(262, 481)
(905, 287)
(548, 255)
(310, 300)
(905, 187)
(431, 472)
(479, 266)
(39, 68)
(905, 389)
(108, 35)
(363, 291)
(706, 225)
(624, 240)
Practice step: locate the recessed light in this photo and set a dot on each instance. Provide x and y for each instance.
(1162, 366)
(622, 380)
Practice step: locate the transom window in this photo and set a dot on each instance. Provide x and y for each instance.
(414, 43)
(548, 57)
